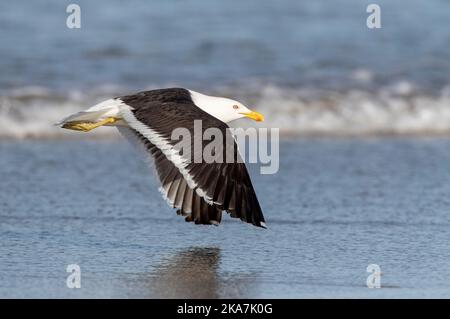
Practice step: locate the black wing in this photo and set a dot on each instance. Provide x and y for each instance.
(217, 186)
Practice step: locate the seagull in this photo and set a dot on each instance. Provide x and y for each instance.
(200, 191)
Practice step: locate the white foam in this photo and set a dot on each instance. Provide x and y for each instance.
(33, 113)
(398, 109)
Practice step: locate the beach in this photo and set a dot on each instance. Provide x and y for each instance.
(364, 122)
(334, 207)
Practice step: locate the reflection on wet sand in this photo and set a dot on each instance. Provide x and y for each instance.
(193, 273)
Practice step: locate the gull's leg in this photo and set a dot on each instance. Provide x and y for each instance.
(87, 126)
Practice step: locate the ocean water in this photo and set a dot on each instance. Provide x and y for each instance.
(335, 206)
(363, 114)
(312, 67)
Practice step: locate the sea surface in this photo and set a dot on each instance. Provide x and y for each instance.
(311, 67)
(364, 178)
(334, 207)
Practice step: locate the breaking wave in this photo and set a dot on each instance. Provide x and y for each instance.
(399, 109)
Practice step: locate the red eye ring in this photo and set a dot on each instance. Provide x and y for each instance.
(235, 107)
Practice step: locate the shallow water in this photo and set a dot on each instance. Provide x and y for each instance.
(334, 207)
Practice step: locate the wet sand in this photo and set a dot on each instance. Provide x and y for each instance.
(335, 206)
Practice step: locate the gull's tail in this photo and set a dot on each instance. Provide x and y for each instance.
(104, 113)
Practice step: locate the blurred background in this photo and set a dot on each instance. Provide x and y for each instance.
(377, 194)
(312, 67)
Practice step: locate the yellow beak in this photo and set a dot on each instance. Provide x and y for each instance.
(254, 116)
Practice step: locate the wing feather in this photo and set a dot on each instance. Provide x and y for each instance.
(200, 189)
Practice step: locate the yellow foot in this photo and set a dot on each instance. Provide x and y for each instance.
(87, 126)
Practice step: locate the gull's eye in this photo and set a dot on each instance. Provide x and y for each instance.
(235, 107)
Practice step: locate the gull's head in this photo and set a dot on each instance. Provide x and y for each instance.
(224, 109)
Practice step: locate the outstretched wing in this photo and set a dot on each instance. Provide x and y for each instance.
(198, 189)
(173, 186)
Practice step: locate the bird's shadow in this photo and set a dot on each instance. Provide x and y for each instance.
(194, 273)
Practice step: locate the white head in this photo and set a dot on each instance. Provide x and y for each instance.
(224, 109)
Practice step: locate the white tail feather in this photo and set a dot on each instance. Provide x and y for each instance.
(98, 112)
